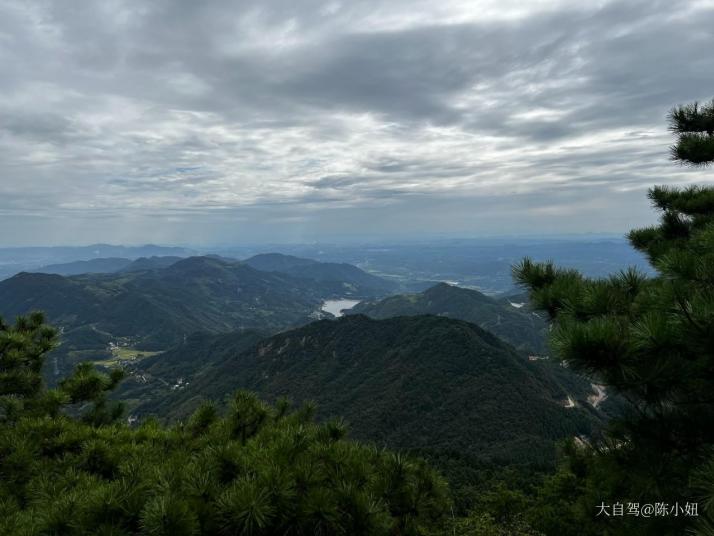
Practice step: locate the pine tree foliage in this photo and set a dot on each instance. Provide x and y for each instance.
(22, 393)
(255, 470)
(650, 339)
(694, 124)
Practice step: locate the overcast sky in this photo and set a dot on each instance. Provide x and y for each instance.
(298, 120)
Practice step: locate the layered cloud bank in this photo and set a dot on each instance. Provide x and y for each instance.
(223, 121)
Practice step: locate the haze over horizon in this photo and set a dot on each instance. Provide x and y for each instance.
(189, 122)
(208, 247)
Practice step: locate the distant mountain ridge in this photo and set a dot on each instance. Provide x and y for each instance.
(358, 282)
(521, 328)
(151, 263)
(109, 265)
(339, 279)
(154, 309)
(102, 265)
(277, 262)
(14, 260)
(152, 303)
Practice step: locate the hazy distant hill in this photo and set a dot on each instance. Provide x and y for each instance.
(422, 382)
(483, 263)
(153, 302)
(93, 266)
(155, 309)
(277, 262)
(352, 280)
(150, 263)
(61, 254)
(521, 328)
(109, 265)
(17, 259)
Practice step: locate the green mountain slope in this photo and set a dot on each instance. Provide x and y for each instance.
(250, 470)
(277, 262)
(351, 280)
(92, 266)
(425, 383)
(521, 328)
(153, 380)
(153, 310)
(150, 263)
(109, 265)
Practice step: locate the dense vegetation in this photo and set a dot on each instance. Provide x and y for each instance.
(652, 340)
(341, 278)
(442, 388)
(346, 279)
(439, 387)
(255, 470)
(150, 306)
(406, 382)
(157, 307)
(104, 265)
(522, 329)
(108, 265)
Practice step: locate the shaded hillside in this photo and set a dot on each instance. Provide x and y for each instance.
(14, 260)
(250, 470)
(410, 382)
(153, 310)
(277, 262)
(153, 380)
(521, 328)
(351, 280)
(151, 263)
(109, 265)
(92, 266)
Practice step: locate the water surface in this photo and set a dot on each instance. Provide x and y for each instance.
(337, 306)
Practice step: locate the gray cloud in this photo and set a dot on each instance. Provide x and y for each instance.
(228, 117)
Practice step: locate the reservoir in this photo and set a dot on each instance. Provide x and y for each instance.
(336, 306)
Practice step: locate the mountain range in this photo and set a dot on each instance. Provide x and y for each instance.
(14, 260)
(519, 326)
(421, 382)
(425, 372)
(358, 282)
(109, 265)
(150, 306)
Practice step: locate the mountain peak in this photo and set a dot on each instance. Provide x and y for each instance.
(36, 278)
(151, 263)
(277, 262)
(191, 264)
(408, 382)
(517, 327)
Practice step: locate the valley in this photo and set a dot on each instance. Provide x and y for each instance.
(156, 302)
(376, 268)
(433, 369)
(196, 328)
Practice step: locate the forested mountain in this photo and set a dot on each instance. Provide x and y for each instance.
(410, 382)
(152, 310)
(109, 265)
(92, 266)
(522, 328)
(193, 294)
(153, 303)
(150, 263)
(14, 260)
(252, 469)
(277, 262)
(352, 280)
